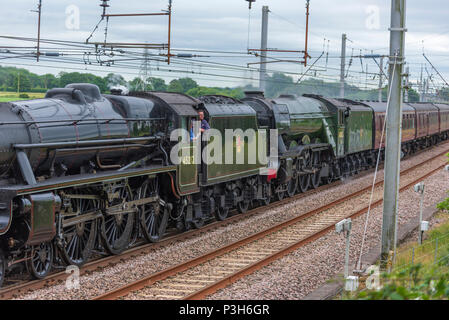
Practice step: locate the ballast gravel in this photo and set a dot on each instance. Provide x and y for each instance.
(291, 277)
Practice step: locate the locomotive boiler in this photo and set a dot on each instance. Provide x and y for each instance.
(58, 134)
(305, 127)
(65, 165)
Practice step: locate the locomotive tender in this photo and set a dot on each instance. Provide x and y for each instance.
(83, 172)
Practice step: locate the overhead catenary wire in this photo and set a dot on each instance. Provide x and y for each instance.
(299, 80)
(178, 71)
(211, 63)
(78, 46)
(430, 77)
(194, 61)
(131, 59)
(83, 45)
(249, 29)
(436, 70)
(238, 67)
(350, 63)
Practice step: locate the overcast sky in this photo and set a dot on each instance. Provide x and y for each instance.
(223, 25)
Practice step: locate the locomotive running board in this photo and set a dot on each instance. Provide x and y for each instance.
(83, 179)
(297, 152)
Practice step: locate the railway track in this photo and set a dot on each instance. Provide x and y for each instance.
(206, 274)
(25, 286)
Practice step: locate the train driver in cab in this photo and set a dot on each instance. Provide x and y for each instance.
(204, 124)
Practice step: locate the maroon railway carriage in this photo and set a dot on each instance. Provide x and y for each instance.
(408, 123)
(428, 123)
(444, 119)
(423, 124)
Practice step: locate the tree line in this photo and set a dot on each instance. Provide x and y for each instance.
(280, 83)
(21, 80)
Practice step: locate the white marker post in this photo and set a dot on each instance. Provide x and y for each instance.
(419, 188)
(345, 226)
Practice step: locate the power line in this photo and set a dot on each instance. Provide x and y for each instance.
(74, 48)
(236, 67)
(177, 71)
(436, 70)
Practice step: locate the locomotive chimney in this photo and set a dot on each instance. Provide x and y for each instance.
(254, 94)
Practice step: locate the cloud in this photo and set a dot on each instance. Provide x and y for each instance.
(223, 26)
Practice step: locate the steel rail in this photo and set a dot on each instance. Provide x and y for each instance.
(58, 277)
(164, 274)
(203, 293)
(53, 279)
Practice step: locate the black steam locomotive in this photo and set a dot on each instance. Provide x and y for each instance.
(83, 172)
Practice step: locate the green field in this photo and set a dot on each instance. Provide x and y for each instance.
(420, 272)
(431, 250)
(14, 96)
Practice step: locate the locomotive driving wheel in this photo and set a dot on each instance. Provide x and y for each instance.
(315, 178)
(116, 228)
(303, 182)
(151, 214)
(243, 205)
(221, 213)
(41, 260)
(304, 179)
(280, 194)
(198, 223)
(2, 267)
(79, 239)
